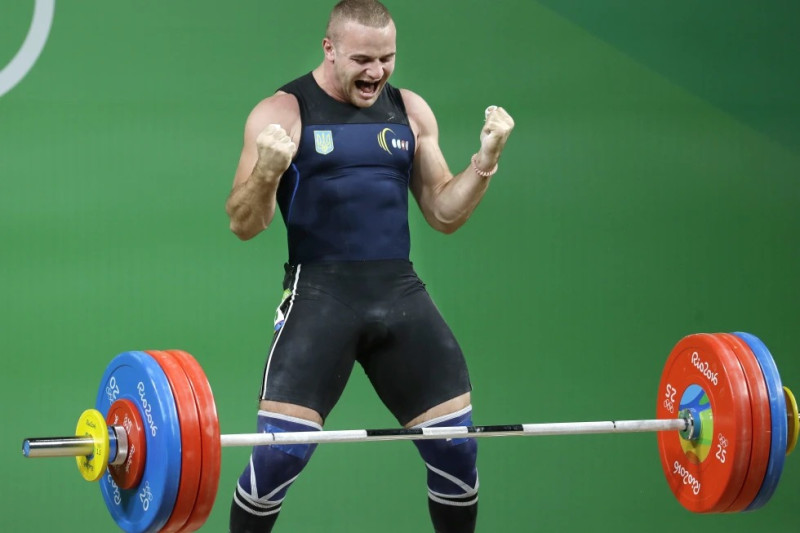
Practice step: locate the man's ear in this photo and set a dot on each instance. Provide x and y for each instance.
(327, 48)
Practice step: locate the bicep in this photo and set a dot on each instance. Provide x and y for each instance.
(430, 171)
(280, 109)
(248, 156)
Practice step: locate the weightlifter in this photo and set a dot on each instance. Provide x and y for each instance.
(337, 151)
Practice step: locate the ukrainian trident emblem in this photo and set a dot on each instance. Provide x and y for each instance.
(323, 141)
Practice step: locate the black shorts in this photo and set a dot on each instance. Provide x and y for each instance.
(375, 312)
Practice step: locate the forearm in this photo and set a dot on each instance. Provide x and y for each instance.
(251, 205)
(457, 198)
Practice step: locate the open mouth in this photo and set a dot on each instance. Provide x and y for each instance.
(368, 89)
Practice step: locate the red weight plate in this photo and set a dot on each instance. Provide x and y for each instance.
(124, 413)
(703, 373)
(191, 459)
(210, 438)
(762, 422)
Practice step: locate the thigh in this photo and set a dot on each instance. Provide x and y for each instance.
(312, 352)
(421, 364)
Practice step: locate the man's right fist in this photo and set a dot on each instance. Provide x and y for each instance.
(275, 150)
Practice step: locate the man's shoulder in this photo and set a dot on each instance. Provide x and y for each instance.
(280, 100)
(414, 103)
(279, 108)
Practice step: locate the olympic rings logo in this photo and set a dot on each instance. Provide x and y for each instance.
(31, 48)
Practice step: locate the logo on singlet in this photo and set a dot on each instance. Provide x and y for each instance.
(323, 141)
(23, 60)
(393, 141)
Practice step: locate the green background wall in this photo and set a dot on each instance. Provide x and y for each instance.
(649, 191)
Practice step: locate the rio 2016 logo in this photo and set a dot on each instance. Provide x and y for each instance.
(33, 45)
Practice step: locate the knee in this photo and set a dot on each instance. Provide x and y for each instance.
(451, 463)
(272, 469)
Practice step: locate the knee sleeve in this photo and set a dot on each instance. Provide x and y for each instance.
(451, 463)
(272, 469)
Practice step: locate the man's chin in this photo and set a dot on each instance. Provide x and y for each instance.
(361, 101)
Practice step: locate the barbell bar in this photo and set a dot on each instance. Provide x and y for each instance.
(724, 422)
(70, 446)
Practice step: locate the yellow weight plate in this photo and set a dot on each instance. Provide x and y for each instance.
(92, 424)
(794, 422)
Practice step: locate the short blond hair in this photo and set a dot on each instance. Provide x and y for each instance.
(365, 12)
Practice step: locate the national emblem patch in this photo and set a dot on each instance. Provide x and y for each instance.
(323, 141)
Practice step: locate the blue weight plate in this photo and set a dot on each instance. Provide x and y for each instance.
(777, 406)
(146, 507)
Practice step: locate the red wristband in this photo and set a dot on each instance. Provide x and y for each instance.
(482, 173)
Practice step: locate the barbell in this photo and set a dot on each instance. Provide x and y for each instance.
(725, 424)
